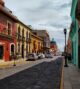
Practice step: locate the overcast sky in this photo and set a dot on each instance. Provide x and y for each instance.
(52, 15)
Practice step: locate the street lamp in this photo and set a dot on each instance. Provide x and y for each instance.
(66, 64)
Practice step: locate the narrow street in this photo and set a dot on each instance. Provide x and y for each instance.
(40, 74)
(39, 44)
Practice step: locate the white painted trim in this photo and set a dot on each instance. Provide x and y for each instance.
(10, 47)
(11, 25)
(3, 50)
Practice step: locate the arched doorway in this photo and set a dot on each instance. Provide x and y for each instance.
(26, 49)
(1, 51)
(22, 50)
(12, 49)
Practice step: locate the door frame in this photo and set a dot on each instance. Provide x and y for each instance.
(22, 50)
(79, 48)
(10, 47)
(3, 50)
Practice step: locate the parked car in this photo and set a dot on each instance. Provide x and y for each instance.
(32, 56)
(41, 56)
(48, 55)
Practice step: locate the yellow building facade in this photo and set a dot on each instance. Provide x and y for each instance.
(23, 40)
(36, 44)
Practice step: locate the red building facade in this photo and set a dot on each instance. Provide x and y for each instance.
(69, 48)
(53, 47)
(7, 33)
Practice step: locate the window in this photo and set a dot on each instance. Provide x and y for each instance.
(18, 48)
(38, 45)
(9, 27)
(23, 33)
(18, 32)
(29, 35)
(26, 34)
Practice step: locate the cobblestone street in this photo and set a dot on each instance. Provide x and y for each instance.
(39, 44)
(45, 75)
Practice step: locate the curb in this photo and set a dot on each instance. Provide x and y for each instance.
(62, 83)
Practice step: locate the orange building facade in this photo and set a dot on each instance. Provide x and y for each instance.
(36, 44)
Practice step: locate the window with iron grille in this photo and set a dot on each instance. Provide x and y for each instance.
(9, 28)
(18, 48)
(18, 32)
(23, 34)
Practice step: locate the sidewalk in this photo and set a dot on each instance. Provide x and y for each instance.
(71, 77)
(9, 64)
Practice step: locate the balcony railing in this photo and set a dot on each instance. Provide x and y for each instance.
(28, 40)
(23, 38)
(5, 35)
(19, 38)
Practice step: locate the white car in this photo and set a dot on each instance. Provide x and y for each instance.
(41, 56)
(32, 56)
(48, 55)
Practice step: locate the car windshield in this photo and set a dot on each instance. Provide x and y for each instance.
(48, 53)
(31, 55)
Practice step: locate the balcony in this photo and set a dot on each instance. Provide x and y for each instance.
(5, 35)
(19, 37)
(23, 38)
(28, 40)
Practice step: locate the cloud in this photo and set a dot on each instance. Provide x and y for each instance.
(65, 5)
(52, 15)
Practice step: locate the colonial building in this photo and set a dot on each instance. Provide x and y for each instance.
(7, 32)
(16, 38)
(75, 32)
(36, 44)
(53, 47)
(46, 39)
(23, 39)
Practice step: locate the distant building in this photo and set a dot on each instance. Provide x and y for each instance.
(36, 44)
(69, 46)
(53, 47)
(46, 39)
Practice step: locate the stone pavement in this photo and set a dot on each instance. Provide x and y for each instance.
(21, 65)
(45, 75)
(71, 77)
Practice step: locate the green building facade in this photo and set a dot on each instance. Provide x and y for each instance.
(74, 33)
